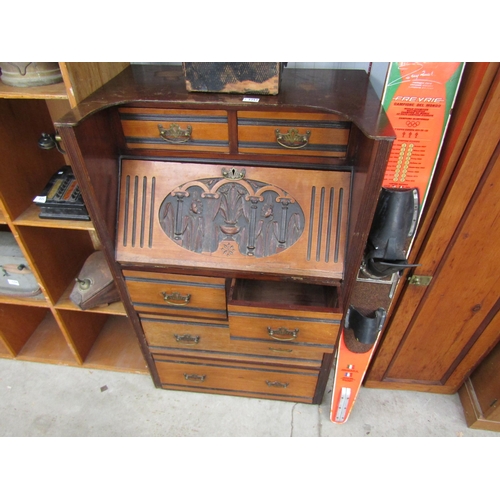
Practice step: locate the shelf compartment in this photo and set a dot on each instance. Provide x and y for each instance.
(18, 324)
(30, 217)
(54, 91)
(48, 345)
(82, 329)
(57, 255)
(117, 348)
(26, 168)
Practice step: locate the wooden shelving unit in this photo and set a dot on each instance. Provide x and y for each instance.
(49, 328)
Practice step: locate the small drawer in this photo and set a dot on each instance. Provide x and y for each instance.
(288, 313)
(175, 129)
(185, 333)
(283, 329)
(243, 379)
(177, 295)
(311, 134)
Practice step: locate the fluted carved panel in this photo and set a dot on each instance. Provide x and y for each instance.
(233, 218)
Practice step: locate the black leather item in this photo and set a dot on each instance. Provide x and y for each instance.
(365, 328)
(393, 224)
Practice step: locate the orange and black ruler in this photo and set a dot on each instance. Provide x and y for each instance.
(418, 99)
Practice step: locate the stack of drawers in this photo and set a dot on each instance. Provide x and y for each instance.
(250, 337)
(231, 337)
(313, 134)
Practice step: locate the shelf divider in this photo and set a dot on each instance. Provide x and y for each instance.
(5, 351)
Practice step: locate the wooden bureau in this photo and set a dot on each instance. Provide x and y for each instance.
(234, 228)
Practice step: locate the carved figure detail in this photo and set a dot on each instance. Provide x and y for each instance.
(231, 215)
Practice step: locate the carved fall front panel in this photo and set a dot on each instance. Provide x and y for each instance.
(259, 219)
(233, 214)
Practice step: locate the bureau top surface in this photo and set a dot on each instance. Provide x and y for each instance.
(345, 92)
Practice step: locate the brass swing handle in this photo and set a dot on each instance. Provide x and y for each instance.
(175, 134)
(283, 334)
(292, 139)
(176, 299)
(193, 377)
(187, 339)
(281, 385)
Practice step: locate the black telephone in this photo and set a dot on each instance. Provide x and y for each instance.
(61, 198)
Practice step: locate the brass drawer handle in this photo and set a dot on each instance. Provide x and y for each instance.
(187, 339)
(193, 377)
(280, 332)
(281, 385)
(175, 134)
(176, 299)
(292, 139)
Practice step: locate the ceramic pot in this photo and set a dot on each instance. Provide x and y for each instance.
(30, 74)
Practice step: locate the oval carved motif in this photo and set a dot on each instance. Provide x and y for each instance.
(236, 217)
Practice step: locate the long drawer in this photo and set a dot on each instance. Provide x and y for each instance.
(209, 338)
(221, 376)
(313, 134)
(172, 294)
(175, 129)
